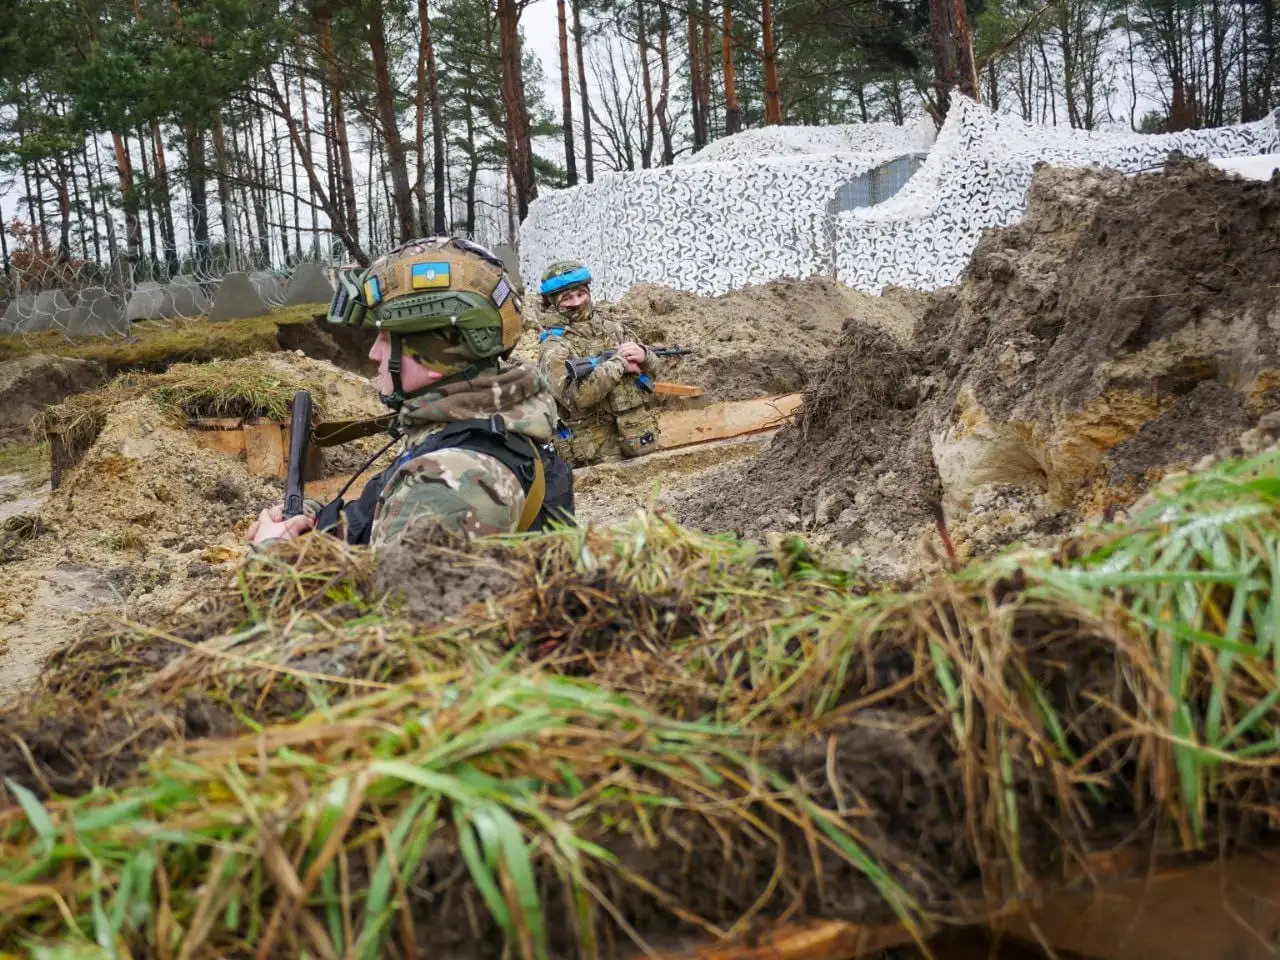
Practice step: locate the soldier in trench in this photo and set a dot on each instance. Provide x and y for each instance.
(477, 457)
(605, 414)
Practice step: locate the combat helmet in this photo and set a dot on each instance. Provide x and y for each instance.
(561, 276)
(445, 300)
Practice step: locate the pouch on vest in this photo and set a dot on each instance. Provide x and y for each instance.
(637, 431)
(625, 396)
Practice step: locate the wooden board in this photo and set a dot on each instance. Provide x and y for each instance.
(732, 418)
(220, 434)
(664, 388)
(266, 447)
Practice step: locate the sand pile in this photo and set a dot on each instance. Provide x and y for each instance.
(146, 517)
(754, 342)
(1127, 327)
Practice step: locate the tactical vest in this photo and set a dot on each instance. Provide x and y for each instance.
(624, 421)
(515, 451)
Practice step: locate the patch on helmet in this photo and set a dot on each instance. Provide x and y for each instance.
(500, 293)
(372, 292)
(430, 276)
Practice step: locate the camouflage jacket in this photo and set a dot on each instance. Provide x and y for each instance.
(580, 398)
(464, 490)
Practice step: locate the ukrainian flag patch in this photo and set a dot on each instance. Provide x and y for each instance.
(429, 276)
(372, 292)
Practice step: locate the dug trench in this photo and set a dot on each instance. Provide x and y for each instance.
(1125, 328)
(1088, 350)
(720, 846)
(1084, 356)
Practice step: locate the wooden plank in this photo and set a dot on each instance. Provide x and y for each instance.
(1220, 910)
(665, 388)
(732, 418)
(220, 434)
(264, 447)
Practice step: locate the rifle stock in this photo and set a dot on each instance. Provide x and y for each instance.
(299, 441)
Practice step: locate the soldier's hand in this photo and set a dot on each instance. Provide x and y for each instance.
(631, 351)
(271, 525)
(632, 354)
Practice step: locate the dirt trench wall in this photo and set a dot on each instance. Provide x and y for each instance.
(1125, 328)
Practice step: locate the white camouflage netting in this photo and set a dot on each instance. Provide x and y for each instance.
(977, 177)
(842, 138)
(715, 225)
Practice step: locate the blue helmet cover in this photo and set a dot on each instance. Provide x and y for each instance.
(571, 279)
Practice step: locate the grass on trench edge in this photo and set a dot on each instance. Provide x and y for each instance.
(518, 767)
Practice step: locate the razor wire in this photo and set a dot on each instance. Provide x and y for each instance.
(87, 298)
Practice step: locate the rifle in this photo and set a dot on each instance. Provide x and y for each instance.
(299, 440)
(582, 366)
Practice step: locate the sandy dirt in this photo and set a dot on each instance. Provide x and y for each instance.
(1125, 328)
(759, 341)
(141, 523)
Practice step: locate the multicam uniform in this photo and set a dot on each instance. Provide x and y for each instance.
(477, 443)
(464, 490)
(605, 414)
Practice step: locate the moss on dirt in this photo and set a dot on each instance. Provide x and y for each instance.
(154, 346)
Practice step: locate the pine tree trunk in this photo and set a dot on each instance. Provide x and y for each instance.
(732, 109)
(664, 119)
(224, 190)
(566, 98)
(149, 194)
(940, 40)
(646, 145)
(311, 190)
(93, 202)
(341, 143)
(695, 83)
(344, 230)
(113, 249)
(772, 95)
(438, 186)
(582, 92)
(64, 212)
(705, 71)
(519, 156)
(78, 204)
(199, 202)
(420, 116)
(473, 167)
(257, 191)
(391, 140)
(167, 233)
(966, 71)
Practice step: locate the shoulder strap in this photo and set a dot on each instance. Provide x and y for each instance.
(535, 495)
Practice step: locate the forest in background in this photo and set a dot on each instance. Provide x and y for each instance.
(196, 136)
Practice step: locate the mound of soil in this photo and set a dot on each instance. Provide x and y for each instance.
(754, 342)
(1125, 328)
(144, 519)
(31, 383)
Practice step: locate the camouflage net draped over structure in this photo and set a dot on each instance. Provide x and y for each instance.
(644, 733)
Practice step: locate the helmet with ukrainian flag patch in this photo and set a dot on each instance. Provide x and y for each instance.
(431, 289)
(563, 275)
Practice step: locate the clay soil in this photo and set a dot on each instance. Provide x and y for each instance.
(1124, 329)
(142, 524)
(758, 341)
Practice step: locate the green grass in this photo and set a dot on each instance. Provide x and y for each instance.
(653, 722)
(30, 460)
(155, 345)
